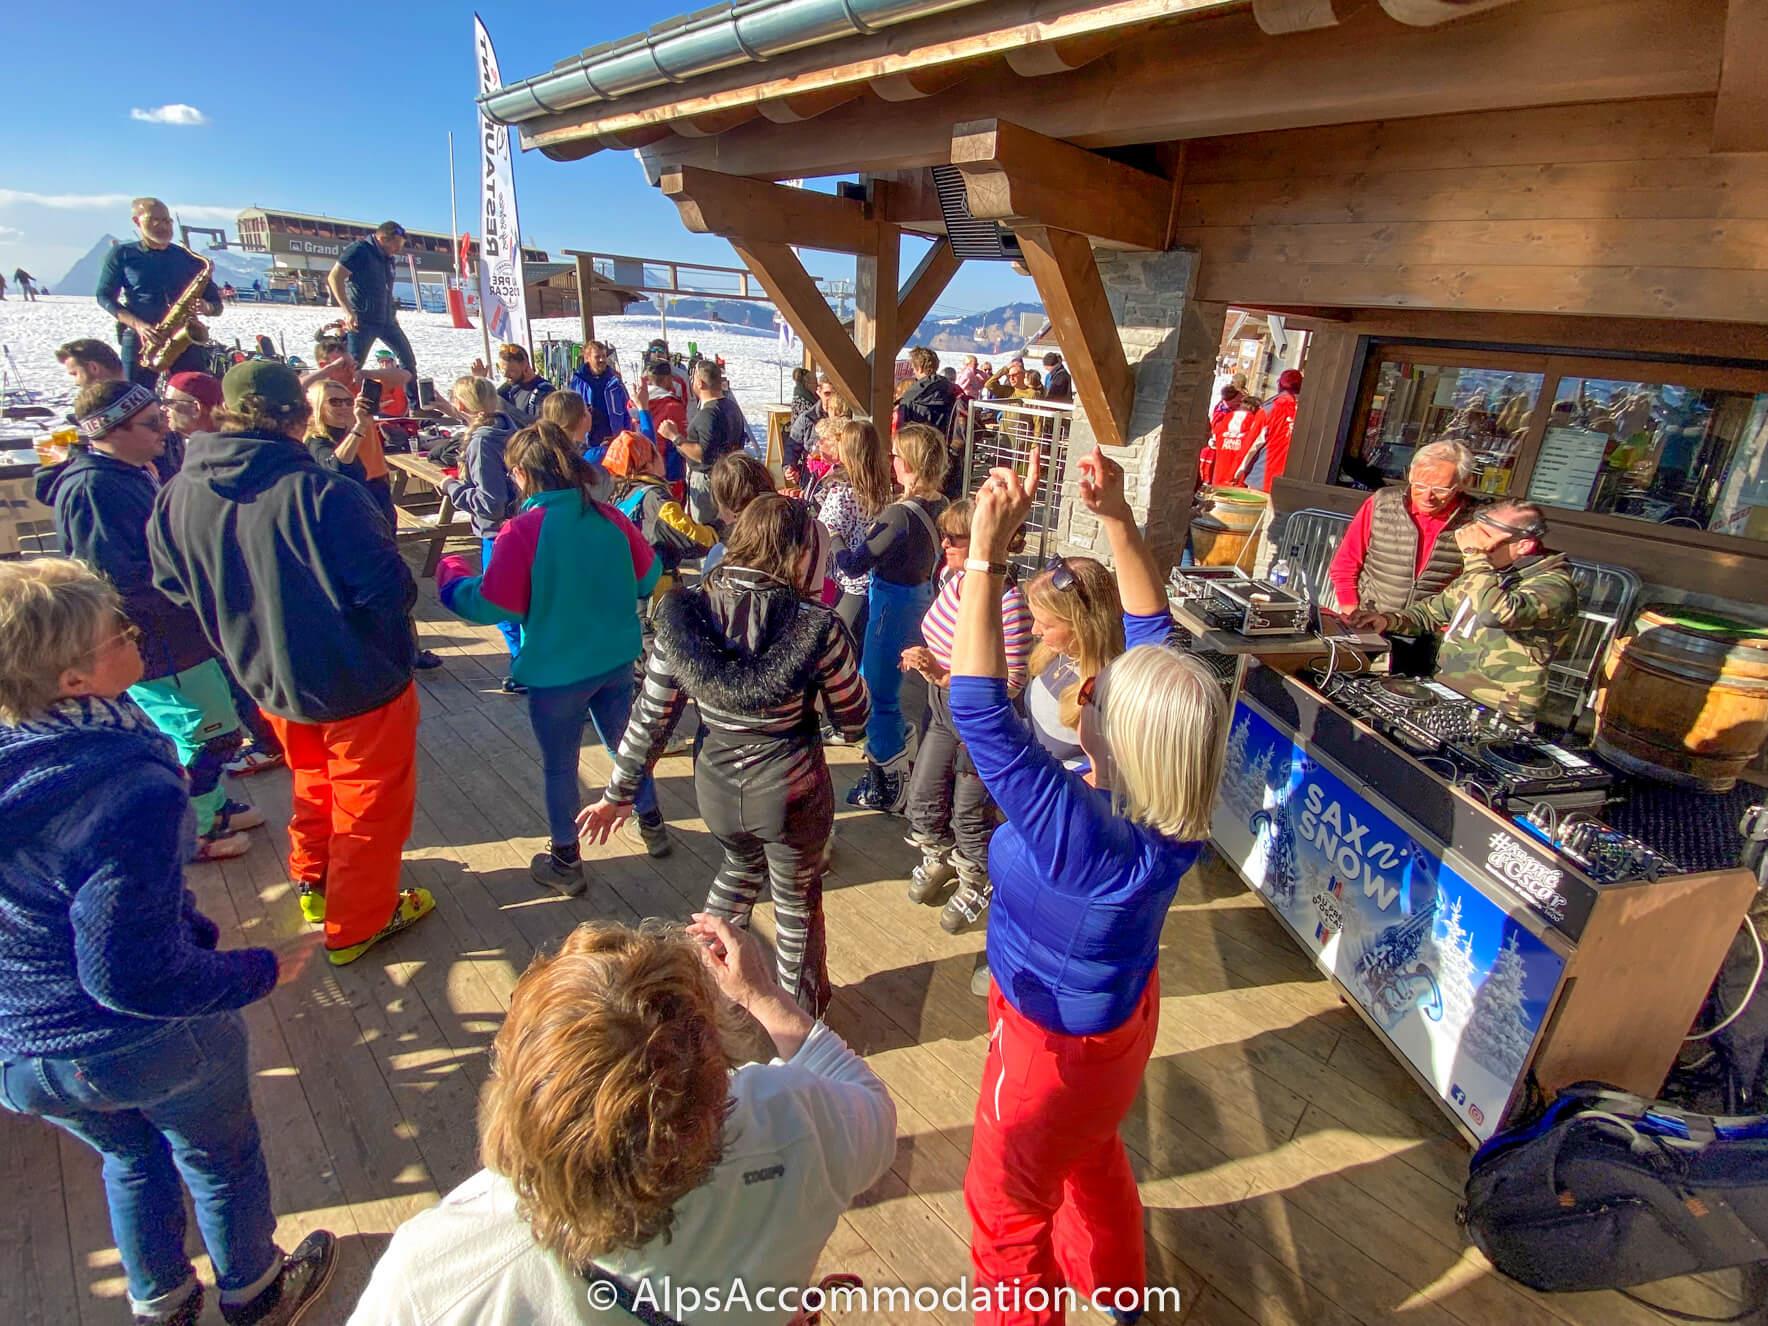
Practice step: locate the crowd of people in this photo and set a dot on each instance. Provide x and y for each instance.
(232, 589)
(233, 598)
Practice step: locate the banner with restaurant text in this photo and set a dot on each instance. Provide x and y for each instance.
(503, 294)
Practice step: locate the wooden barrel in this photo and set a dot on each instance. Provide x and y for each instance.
(1219, 535)
(1686, 700)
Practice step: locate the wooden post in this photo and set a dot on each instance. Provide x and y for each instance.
(875, 333)
(585, 305)
(1061, 263)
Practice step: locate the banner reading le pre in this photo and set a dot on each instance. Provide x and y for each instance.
(503, 295)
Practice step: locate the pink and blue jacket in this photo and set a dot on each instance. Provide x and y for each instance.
(572, 576)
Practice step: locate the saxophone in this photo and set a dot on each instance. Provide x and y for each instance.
(175, 333)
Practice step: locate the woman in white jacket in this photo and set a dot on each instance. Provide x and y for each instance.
(625, 1153)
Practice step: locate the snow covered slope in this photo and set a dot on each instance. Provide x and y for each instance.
(30, 333)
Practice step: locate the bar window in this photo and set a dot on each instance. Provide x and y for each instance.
(1414, 403)
(1660, 452)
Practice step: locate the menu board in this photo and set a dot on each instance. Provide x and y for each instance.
(1566, 470)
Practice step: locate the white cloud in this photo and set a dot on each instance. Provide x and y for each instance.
(172, 113)
(104, 202)
(10, 233)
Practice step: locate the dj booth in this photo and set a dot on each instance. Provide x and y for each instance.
(1450, 873)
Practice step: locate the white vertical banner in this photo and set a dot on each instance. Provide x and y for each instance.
(503, 295)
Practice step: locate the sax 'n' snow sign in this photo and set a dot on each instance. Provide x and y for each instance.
(502, 293)
(1456, 983)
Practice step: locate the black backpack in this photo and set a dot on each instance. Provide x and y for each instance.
(1607, 1189)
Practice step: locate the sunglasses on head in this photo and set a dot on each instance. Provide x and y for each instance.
(1063, 578)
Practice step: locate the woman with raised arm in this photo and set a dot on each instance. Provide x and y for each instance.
(1084, 870)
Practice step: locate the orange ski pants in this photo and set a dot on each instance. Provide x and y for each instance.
(354, 795)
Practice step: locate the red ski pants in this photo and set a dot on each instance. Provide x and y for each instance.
(355, 788)
(1051, 1196)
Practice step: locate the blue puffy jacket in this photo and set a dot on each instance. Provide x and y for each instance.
(100, 942)
(610, 412)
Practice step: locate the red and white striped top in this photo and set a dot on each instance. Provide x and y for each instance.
(939, 627)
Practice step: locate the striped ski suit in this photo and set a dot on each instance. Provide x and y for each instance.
(758, 661)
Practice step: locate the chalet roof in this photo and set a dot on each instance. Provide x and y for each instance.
(1100, 74)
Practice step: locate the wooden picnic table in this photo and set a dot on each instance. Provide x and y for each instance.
(415, 527)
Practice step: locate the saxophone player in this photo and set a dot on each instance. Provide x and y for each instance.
(140, 282)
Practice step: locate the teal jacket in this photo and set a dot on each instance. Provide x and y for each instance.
(572, 576)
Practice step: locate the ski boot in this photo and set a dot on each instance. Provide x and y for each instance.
(934, 875)
(969, 905)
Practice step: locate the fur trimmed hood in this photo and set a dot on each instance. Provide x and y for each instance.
(744, 643)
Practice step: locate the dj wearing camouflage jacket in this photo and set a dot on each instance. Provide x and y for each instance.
(1504, 618)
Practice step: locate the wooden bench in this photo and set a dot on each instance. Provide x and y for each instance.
(420, 527)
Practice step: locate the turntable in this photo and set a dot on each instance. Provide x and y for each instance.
(1521, 766)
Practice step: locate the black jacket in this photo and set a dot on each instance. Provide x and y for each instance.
(522, 399)
(930, 401)
(101, 507)
(292, 570)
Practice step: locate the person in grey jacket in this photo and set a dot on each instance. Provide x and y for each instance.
(484, 490)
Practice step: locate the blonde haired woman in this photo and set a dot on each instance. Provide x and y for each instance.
(900, 552)
(338, 428)
(1078, 621)
(1084, 870)
(484, 490)
(624, 1147)
(848, 501)
(119, 1012)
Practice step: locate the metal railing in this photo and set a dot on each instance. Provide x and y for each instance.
(1007, 433)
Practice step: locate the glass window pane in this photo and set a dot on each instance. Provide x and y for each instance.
(1413, 404)
(1675, 455)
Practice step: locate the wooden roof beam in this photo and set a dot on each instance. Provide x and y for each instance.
(1740, 121)
(801, 106)
(1022, 178)
(1067, 276)
(1429, 13)
(1064, 54)
(712, 123)
(805, 310)
(713, 203)
(1209, 77)
(1279, 17)
(913, 84)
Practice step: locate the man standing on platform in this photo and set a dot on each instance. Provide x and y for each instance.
(1504, 618)
(361, 283)
(141, 280)
(1394, 553)
(297, 581)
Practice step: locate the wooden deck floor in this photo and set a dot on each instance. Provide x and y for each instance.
(1291, 1171)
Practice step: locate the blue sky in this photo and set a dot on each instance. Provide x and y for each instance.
(342, 111)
